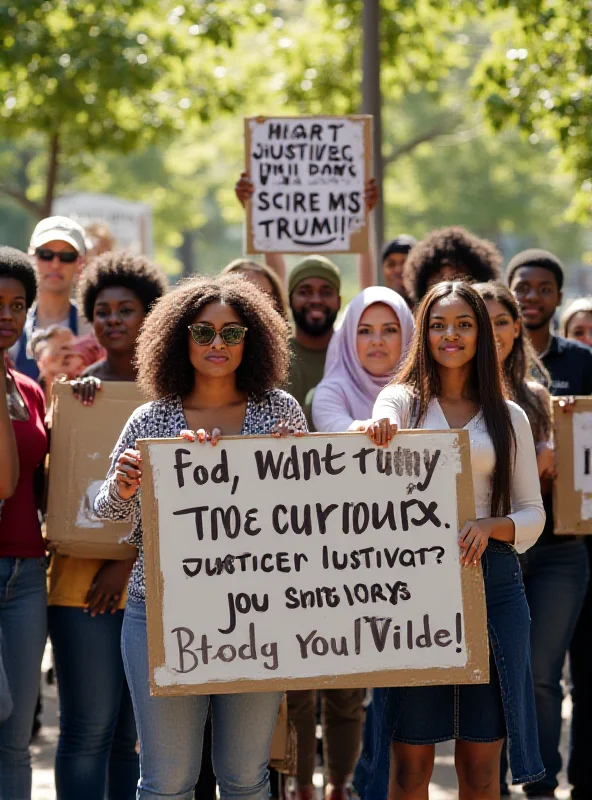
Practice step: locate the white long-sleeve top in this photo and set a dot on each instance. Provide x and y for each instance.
(527, 513)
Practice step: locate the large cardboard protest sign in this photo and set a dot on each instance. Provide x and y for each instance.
(309, 175)
(82, 439)
(572, 491)
(319, 561)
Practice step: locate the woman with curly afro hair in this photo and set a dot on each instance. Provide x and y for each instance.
(116, 291)
(97, 742)
(447, 254)
(211, 356)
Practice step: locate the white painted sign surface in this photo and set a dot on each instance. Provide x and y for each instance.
(294, 558)
(309, 175)
(582, 452)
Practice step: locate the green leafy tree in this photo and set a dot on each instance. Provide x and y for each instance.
(85, 76)
(538, 77)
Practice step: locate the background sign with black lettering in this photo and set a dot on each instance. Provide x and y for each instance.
(313, 561)
(309, 175)
(572, 504)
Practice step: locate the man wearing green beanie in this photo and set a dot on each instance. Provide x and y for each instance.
(314, 287)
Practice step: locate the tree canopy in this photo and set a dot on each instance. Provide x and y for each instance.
(90, 76)
(538, 77)
(145, 99)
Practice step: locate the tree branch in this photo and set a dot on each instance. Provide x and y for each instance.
(442, 127)
(21, 198)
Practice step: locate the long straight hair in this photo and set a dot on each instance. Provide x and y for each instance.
(419, 372)
(522, 365)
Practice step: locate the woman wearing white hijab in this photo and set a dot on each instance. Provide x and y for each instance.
(363, 355)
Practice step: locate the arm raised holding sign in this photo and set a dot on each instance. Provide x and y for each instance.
(452, 379)
(211, 354)
(244, 190)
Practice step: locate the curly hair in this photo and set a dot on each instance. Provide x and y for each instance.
(17, 265)
(473, 258)
(120, 268)
(525, 376)
(162, 356)
(280, 298)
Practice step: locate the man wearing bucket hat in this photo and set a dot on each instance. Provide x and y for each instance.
(314, 287)
(58, 248)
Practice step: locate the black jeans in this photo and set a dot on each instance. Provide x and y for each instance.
(555, 579)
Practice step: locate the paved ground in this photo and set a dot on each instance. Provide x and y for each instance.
(443, 786)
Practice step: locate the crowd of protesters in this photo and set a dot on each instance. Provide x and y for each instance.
(449, 340)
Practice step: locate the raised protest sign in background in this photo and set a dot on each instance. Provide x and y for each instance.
(82, 439)
(309, 175)
(572, 491)
(314, 561)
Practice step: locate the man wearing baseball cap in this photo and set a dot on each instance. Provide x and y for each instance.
(58, 249)
(314, 287)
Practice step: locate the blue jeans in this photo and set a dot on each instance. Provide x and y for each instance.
(23, 621)
(171, 730)
(555, 579)
(97, 744)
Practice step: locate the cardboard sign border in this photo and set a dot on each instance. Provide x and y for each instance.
(65, 538)
(567, 501)
(359, 241)
(472, 588)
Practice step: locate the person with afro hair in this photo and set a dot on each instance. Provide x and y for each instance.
(87, 595)
(116, 292)
(23, 447)
(211, 357)
(446, 254)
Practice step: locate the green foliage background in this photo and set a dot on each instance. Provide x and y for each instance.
(486, 110)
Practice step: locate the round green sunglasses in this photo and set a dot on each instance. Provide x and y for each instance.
(203, 333)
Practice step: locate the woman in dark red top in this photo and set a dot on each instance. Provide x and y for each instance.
(23, 612)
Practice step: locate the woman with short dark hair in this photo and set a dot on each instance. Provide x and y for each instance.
(23, 614)
(211, 356)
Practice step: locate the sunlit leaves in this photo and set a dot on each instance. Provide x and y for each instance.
(538, 76)
(116, 74)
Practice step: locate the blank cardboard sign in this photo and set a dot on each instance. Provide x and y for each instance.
(315, 561)
(309, 175)
(572, 491)
(82, 439)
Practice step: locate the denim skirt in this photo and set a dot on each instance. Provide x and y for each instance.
(480, 712)
(432, 714)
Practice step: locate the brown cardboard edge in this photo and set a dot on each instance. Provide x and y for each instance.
(567, 501)
(250, 245)
(153, 574)
(114, 552)
(359, 241)
(127, 391)
(476, 669)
